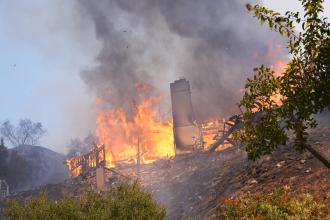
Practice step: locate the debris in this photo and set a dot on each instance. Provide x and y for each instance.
(308, 170)
(280, 164)
(253, 181)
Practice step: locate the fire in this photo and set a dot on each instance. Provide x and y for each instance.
(210, 131)
(127, 136)
(74, 172)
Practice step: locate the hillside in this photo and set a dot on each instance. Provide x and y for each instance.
(195, 184)
(44, 166)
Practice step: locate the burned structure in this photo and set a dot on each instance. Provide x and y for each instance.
(84, 164)
(90, 166)
(186, 131)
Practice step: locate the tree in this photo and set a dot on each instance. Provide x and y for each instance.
(27, 132)
(303, 87)
(122, 201)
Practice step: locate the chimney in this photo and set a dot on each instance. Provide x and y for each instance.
(186, 132)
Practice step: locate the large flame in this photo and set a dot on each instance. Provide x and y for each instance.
(124, 136)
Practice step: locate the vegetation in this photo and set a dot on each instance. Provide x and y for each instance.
(122, 202)
(278, 204)
(303, 87)
(26, 132)
(13, 168)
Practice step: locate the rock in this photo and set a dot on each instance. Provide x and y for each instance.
(253, 181)
(308, 170)
(280, 164)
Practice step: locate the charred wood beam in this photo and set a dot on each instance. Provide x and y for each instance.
(237, 125)
(215, 145)
(232, 142)
(319, 156)
(230, 123)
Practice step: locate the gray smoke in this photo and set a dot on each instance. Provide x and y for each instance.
(214, 44)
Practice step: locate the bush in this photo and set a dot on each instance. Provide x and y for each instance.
(122, 202)
(278, 204)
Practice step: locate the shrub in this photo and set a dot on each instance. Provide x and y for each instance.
(122, 202)
(276, 205)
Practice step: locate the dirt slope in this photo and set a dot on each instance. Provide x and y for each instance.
(193, 185)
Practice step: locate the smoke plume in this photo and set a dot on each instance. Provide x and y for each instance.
(214, 44)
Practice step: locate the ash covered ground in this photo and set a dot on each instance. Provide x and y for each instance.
(194, 185)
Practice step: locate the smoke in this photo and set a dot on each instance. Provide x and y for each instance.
(79, 146)
(214, 44)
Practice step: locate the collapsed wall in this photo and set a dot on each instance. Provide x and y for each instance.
(186, 131)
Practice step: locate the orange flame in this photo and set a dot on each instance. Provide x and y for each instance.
(210, 131)
(124, 136)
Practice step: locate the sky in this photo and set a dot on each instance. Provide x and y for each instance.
(40, 62)
(44, 46)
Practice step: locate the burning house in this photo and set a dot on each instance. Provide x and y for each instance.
(128, 141)
(84, 164)
(144, 139)
(92, 168)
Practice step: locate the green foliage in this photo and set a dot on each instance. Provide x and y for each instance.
(273, 206)
(262, 132)
(122, 202)
(303, 87)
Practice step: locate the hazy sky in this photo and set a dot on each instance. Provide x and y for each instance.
(43, 48)
(41, 57)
